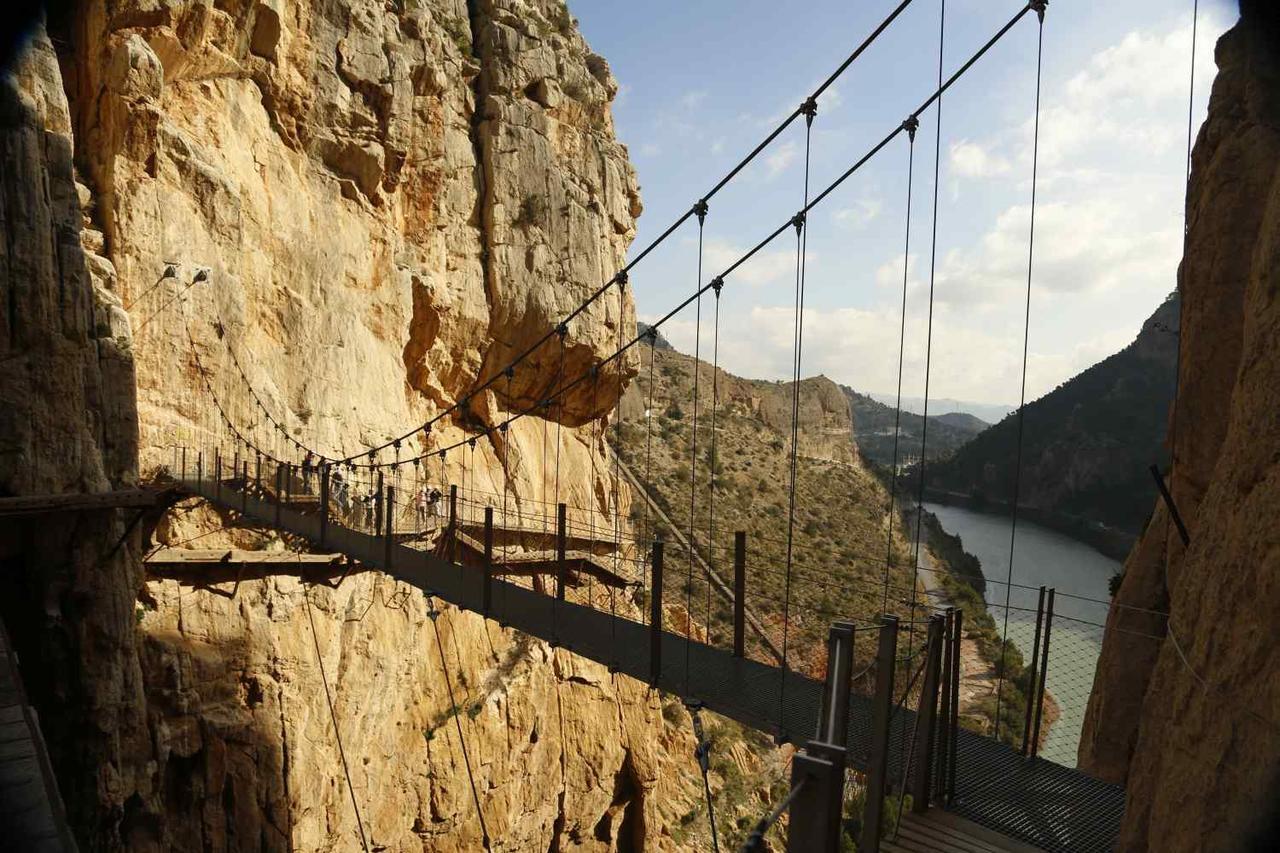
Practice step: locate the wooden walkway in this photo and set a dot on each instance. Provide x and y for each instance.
(938, 831)
(31, 815)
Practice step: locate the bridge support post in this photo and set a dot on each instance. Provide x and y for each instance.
(279, 492)
(486, 594)
(453, 526)
(881, 716)
(324, 502)
(244, 488)
(562, 572)
(948, 696)
(655, 613)
(378, 499)
(739, 592)
(1033, 680)
(217, 475)
(390, 516)
(288, 482)
(200, 471)
(257, 472)
(184, 462)
(926, 719)
(953, 724)
(1044, 672)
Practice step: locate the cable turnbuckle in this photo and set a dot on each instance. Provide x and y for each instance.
(651, 333)
(621, 279)
(798, 221)
(716, 284)
(562, 330)
(472, 444)
(1038, 6)
(700, 210)
(911, 124)
(503, 427)
(809, 109)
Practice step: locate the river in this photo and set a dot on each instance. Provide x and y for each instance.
(1043, 557)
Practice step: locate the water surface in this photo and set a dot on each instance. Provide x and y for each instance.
(1079, 574)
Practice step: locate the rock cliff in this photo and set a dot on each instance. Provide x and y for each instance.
(1192, 724)
(373, 206)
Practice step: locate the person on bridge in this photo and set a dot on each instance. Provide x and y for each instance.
(420, 506)
(308, 463)
(341, 491)
(369, 499)
(436, 506)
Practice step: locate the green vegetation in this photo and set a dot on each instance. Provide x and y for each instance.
(874, 424)
(1087, 445)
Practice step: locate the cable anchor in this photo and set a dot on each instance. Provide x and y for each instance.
(809, 109)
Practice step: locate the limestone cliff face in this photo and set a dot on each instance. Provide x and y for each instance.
(1198, 740)
(390, 200)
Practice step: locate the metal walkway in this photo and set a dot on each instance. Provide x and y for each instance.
(937, 831)
(32, 818)
(1044, 804)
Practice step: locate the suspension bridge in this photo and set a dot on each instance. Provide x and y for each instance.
(603, 591)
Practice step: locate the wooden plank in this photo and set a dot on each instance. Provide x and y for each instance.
(78, 502)
(219, 557)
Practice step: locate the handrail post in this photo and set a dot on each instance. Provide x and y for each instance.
(200, 471)
(1032, 681)
(244, 488)
(390, 517)
(881, 716)
(562, 573)
(184, 462)
(217, 474)
(486, 596)
(957, 627)
(739, 592)
(278, 492)
(655, 613)
(453, 524)
(377, 505)
(822, 813)
(1044, 673)
(257, 472)
(324, 501)
(944, 716)
(926, 719)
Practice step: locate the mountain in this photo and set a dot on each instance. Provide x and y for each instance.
(1087, 445)
(987, 412)
(659, 342)
(873, 429)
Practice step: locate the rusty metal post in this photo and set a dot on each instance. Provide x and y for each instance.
(486, 596)
(562, 572)
(655, 614)
(739, 592)
(324, 501)
(881, 716)
(957, 627)
(1044, 673)
(1032, 680)
(390, 516)
(926, 719)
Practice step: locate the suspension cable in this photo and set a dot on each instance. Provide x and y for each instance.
(902, 341)
(702, 752)
(714, 461)
(333, 717)
(802, 239)
(693, 452)
(434, 615)
(928, 350)
(1026, 338)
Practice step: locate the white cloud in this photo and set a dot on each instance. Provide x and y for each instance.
(971, 160)
(781, 157)
(692, 100)
(858, 215)
(768, 266)
(650, 149)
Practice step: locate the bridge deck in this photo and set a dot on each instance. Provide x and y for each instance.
(1053, 807)
(31, 815)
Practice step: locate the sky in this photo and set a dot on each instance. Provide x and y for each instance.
(702, 83)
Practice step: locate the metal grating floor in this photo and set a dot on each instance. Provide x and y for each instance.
(1056, 808)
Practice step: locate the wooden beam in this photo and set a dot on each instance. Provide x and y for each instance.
(220, 557)
(78, 501)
